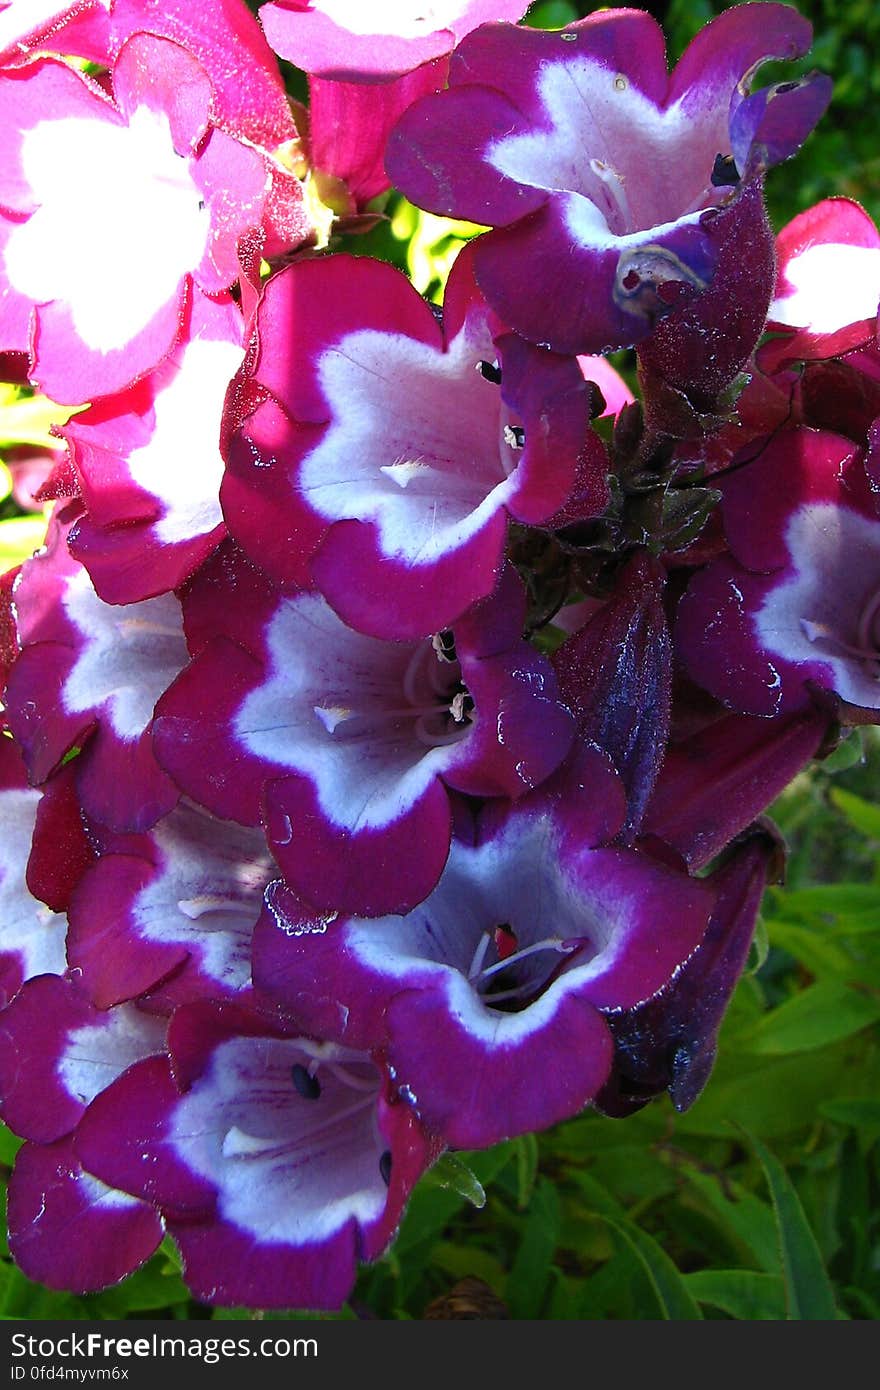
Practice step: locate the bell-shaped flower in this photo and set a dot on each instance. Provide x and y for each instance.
(149, 466)
(488, 999)
(795, 605)
(669, 1042)
(67, 1229)
(595, 167)
(175, 910)
(277, 1161)
(87, 677)
(347, 745)
(385, 454)
(116, 208)
(828, 284)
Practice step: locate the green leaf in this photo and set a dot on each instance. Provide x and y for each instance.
(526, 1149)
(741, 1293)
(808, 1292)
(859, 1113)
(451, 1172)
(529, 1278)
(778, 1095)
(759, 949)
(860, 814)
(847, 754)
(672, 1294)
(823, 1013)
(745, 1218)
(9, 1145)
(831, 899)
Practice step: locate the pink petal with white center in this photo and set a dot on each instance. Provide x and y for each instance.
(429, 442)
(145, 203)
(150, 466)
(185, 909)
(69, 1231)
(526, 938)
(828, 287)
(382, 38)
(57, 1053)
(89, 668)
(352, 737)
(155, 201)
(276, 1157)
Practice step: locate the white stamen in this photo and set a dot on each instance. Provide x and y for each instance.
(550, 944)
(403, 473)
(194, 908)
(479, 955)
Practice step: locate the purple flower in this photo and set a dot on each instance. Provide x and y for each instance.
(68, 1229)
(670, 1041)
(796, 603)
(276, 1161)
(172, 913)
(352, 744)
(149, 465)
(487, 999)
(89, 674)
(394, 451)
(597, 168)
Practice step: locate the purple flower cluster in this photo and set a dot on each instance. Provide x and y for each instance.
(388, 677)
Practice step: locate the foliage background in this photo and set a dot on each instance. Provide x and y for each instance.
(761, 1201)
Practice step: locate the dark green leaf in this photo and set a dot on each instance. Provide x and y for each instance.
(808, 1291)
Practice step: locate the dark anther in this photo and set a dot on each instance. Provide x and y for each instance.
(447, 643)
(201, 205)
(490, 371)
(385, 1167)
(786, 87)
(515, 436)
(308, 1086)
(724, 171)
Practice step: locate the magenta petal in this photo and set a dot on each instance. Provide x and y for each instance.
(834, 244)
(69, 1231)
(716, 782)
(466, 120)
(226, 40)
(795, 468)
(122, 1138)
(369, 44)
(349, 125)
(394, 599)
(373, 871)
(738, 670)
(733, 43)
(192, 736)
(481, 1095)
(58, 1053)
